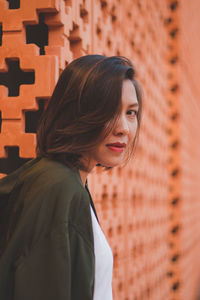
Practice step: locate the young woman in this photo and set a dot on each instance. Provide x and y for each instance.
(52, 246)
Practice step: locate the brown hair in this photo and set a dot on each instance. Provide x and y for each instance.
(87, 96)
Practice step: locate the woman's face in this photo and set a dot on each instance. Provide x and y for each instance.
(111, 151)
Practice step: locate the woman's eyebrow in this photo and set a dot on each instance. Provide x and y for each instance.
(134, 105)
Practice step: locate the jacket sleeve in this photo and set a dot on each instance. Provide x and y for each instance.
(59, 267)
(45, 273)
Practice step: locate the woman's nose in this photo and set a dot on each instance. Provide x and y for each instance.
(121, 127)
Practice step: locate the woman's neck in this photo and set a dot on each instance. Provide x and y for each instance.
(83, 175)
(90, 166)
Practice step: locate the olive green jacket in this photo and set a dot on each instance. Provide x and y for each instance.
(46, 236)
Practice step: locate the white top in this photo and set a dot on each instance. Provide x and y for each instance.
(103, 263)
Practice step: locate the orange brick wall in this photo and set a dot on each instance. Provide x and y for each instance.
(189, 99)
(149, 210)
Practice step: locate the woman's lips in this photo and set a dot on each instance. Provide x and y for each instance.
(116, 149)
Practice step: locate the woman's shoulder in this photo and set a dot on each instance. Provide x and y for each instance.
(52, 172)
(44, 188)
(41, 195)
(45, 172)
(44, 181)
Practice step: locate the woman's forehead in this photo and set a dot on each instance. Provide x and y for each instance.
(129, 96)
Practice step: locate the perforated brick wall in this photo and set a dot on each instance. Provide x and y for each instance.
(150, 209)
(188, 71)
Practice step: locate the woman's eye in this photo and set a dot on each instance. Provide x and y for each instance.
(132, 112)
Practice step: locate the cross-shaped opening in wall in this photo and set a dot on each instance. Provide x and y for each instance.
(32, 117)
(14, 4)
(12, 161)
(15, 77)
(75, 41)
(38, 34)
(1, 33)
(0, 121)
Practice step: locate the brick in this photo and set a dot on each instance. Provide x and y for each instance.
(13, 19)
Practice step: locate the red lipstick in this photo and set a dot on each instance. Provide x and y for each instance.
(117, 147)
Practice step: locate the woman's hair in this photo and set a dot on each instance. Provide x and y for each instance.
(86, 98)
